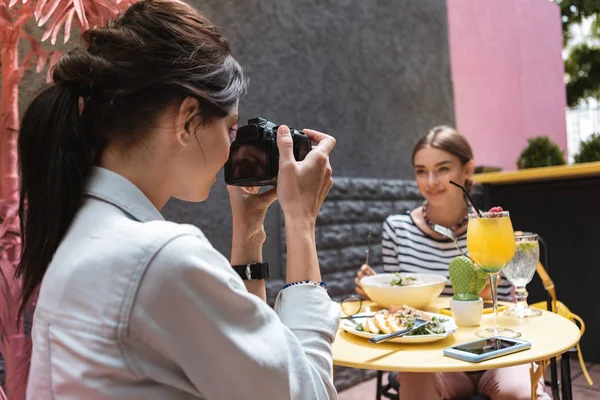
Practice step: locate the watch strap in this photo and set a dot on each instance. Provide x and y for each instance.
(252, 271)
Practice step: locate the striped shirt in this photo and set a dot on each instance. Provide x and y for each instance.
(406, 248)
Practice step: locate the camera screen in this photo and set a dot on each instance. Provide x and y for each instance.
(486, 346)
(250, 161)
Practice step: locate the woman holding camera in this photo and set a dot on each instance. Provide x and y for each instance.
(410, 244)
(131, 306)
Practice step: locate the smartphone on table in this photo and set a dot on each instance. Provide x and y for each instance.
(486, 349)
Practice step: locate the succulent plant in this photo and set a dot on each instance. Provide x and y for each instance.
(467, 280)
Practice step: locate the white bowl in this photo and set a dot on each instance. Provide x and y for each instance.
(378, 288)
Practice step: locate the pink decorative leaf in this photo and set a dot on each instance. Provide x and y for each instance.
(38, 9)
(54, 5)
(47, 34)
(55, 21)
(27, 60)
(14, 77)
(59, 24)
(24, 14)
(9, 216)
(109, 5)
(78, 4)
(54, 57)
(32, 41)
(5, 16)
(41, 61)
(61, 11)
(12, 3)
(68, 25)
(7, 285)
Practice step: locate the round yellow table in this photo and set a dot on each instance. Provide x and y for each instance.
(550, 335)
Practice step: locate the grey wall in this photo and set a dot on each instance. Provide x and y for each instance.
(375, 74)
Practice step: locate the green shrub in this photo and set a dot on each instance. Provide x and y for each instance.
(540, 152)
(589, 150)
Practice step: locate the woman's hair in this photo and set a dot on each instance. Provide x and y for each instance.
(153, 55)
(450, 140)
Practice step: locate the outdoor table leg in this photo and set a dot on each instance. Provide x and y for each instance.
(379, 384)
(554, 378)
(535, 375)
(565, 372)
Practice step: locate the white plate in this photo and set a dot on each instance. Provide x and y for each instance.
(450, 326)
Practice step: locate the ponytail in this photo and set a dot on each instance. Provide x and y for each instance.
(55, 159)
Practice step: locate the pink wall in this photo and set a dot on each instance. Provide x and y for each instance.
(507, 73)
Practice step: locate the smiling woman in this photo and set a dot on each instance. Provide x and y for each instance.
(410, 244)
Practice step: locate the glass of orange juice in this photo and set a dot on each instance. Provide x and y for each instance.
(491, 245)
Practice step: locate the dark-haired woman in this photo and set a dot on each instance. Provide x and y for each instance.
(131, 306)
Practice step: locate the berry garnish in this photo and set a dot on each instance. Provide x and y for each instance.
(496, 212)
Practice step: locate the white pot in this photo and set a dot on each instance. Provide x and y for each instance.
(467, 313)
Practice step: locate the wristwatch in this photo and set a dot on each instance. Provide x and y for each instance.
(253, 271)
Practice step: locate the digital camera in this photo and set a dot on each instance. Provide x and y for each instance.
(254, 157)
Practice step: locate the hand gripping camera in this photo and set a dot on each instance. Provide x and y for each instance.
(254, 157)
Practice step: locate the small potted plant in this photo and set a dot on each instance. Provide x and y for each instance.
(467, 281)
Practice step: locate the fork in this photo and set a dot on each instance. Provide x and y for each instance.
(382, 338)
(353, 317)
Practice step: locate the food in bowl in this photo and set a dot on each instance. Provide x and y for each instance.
(421, 291)
(384, 322)
(404, 280)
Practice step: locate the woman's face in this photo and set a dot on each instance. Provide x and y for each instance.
(204, 156)
(434, 169)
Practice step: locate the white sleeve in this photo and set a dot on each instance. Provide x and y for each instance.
(195, 326)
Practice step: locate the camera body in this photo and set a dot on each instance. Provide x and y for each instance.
(254, 156)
